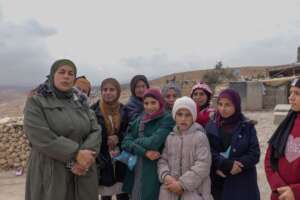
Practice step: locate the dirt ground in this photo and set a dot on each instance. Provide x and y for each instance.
(12, 187)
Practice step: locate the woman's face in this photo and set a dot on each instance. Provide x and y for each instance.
(225, 108)
(200, 97)
(294, 98)
(151, 105)
(140, 88)
(64, 78)
(170, 97)
(109, 93)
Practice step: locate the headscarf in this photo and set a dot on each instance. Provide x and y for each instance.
(83, 83)
(55, 66)
(168, 87)
(280, 137)
(111, 111)
(135, 80)
(156, 94)
(235, 98)
(206, 89)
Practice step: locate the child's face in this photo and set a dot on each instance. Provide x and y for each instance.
(151, 105)
(170, 97)
(199, 97)
(140, 88)
(294, 98)
(183, 119)
(226, 108)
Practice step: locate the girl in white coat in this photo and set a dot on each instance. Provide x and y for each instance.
(184, 166)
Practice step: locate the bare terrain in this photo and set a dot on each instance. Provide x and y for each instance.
(12, 101)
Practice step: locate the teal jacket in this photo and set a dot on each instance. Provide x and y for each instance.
(154, 136)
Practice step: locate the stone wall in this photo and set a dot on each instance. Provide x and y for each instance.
(14, 146)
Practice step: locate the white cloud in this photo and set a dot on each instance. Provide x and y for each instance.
(121, 38)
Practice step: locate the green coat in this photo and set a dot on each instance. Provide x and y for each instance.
(155, 134)
(57, 129)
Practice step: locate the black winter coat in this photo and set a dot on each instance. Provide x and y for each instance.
(108, 175)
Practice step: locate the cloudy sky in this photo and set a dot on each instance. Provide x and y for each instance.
(123, 38)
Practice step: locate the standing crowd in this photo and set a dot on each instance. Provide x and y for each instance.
(159, 145)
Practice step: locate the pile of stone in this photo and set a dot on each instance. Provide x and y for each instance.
(14, 146)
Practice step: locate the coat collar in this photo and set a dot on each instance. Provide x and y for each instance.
(194, 128)
(212, 128)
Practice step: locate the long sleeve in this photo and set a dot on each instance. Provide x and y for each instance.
(251, 158)
(157, 139)
(134, 109)
(273, 177)
(296, 190)
(42, 138)
(93, 141)
(128, 142)
(218, 161)
(163, 163)
(192, 178)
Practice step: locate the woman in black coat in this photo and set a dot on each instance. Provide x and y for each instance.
(113, 119)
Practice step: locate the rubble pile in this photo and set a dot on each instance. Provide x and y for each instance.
(14, 146)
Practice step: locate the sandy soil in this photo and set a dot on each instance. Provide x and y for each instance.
(12, 187)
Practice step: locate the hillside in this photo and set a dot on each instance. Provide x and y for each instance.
(12, 99)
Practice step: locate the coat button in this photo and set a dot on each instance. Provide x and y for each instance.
(240, 136)
(233, 150)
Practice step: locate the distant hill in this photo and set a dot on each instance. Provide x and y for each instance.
(12, 98)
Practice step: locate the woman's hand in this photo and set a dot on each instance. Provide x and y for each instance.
(78, 170)
(220, 173)
(112, 141)
(85, 158)
(152, 155)
(236, 168)
(285, 193)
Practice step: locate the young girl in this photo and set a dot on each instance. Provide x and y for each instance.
(138, 85)
(202, 94)
(112, 117)
(235, 151)
(145, 138)
(186, 159)
(282, 161)
(170, 92)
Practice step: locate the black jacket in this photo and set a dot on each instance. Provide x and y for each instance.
(107, 173)
(244, 148)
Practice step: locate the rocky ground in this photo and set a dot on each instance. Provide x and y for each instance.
(12, 186)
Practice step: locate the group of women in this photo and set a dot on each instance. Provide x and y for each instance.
(184, 148)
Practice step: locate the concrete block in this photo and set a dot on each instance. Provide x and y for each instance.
(280, 112)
